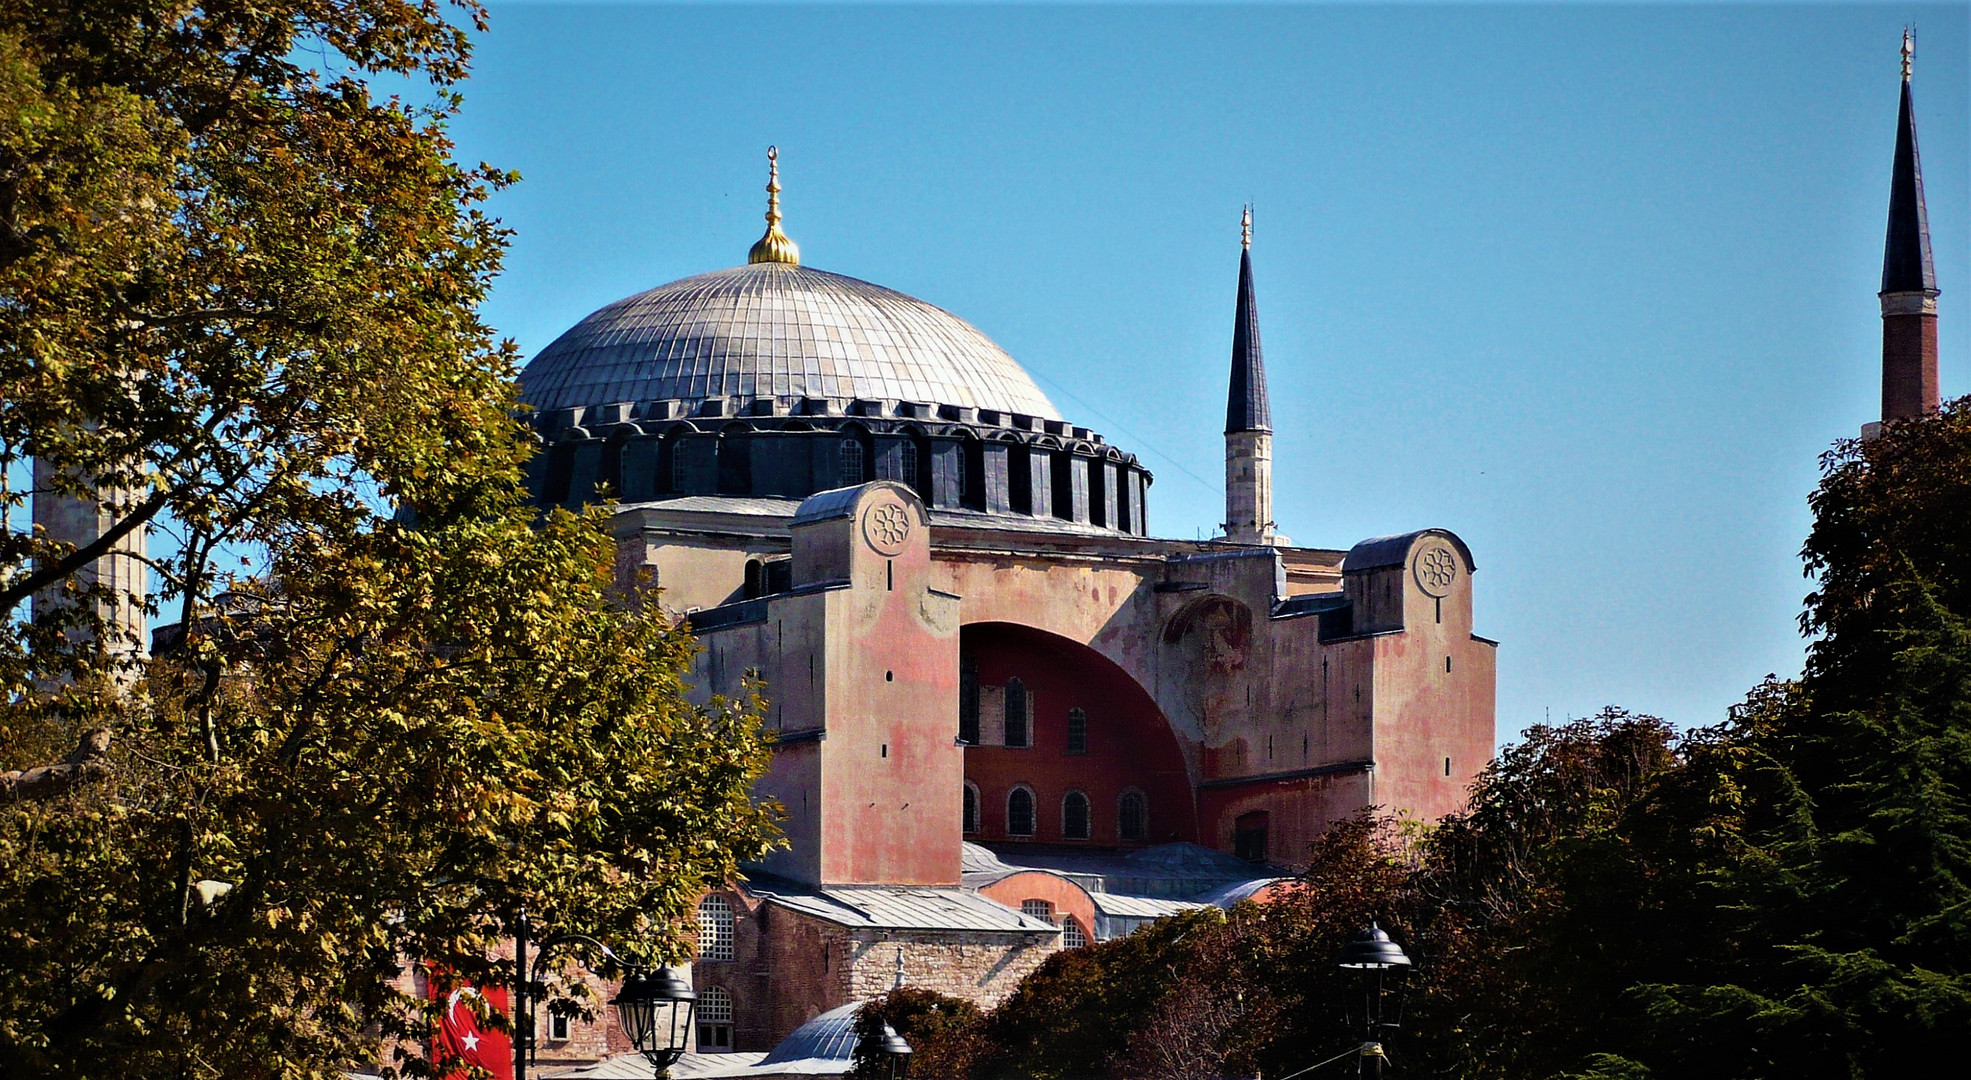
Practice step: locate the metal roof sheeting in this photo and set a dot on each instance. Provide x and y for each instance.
(902, 907)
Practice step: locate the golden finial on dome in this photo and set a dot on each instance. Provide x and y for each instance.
(774, 247)
(1245, 229)
(1909, 49)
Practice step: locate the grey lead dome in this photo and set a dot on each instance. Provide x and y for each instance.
(772, 330)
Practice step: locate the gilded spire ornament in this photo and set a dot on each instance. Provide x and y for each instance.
(774, 247)
(1909, 50)
(1245, 229)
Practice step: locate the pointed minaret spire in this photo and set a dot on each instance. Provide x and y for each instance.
(1248, 419)
(1909, 277)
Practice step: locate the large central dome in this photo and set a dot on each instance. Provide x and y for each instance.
(777, 330)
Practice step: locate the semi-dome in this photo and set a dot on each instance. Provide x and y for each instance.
(777, 330)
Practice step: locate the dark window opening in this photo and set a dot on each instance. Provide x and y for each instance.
(735, 465)
(1077, 731)
(1019, 812)
(851, 472)
(971, 475)
(680, 465)
(911, 466)
(1098, 485)
(1074, 816)
(1019, 714)
(611, 471)
(1249, 836)
(971, 823)
(561, 469)
(1133, 817)
(1063, 467)
(1019, 480)
(968, 700)
(1447, 766)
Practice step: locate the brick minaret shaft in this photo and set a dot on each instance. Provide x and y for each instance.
(1909, 279)
(1248, 419)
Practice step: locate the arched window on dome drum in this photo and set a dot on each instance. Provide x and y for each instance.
(971, 475)
(1019, 714)
(971, 812)
(1074, 816)
(1019, 479)
(736, 462)
(676, 465)
(1133, 817)
(1038, 909)
(912, 466)
(1072, 935)
(1019, 812)
(714, 1020)
(1077, 731)
(851, 472)
(715, 929)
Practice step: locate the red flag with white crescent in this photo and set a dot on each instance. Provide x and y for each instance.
(464, 1039)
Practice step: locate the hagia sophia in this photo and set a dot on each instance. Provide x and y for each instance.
(1009, 718)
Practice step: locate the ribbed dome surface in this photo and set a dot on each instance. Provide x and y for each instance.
(781, 331)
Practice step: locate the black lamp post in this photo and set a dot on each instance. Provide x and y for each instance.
(655, 1007)
(895, 1051)
(1383, 964)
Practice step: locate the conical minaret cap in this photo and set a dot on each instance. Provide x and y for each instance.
(1246, 408)
(1906, 262)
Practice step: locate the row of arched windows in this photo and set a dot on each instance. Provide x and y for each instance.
(722, 462)
(1077, 817)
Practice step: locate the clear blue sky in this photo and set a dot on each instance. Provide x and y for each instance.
(1591, 286)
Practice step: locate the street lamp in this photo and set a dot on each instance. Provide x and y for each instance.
(654, 1007)
(1383, 964)
(656, 1014)
(895, 1052)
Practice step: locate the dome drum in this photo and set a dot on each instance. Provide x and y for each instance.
(1045, 472)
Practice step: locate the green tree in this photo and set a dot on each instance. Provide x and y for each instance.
(240, 293)
(943, 1032)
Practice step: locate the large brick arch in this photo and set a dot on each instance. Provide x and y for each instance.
(1130, 744)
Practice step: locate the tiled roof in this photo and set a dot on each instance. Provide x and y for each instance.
(781, 331)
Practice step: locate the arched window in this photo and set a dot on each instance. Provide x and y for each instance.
(1074, 816)
(1038, 909)
(1019, 812)
(910, 467)
(680, 465)
(1133, 817)
(1249, 836)
(1077, 731)
(1072, 935)
(971, 807)
(1019, 714)
(968, 699)
(852, 458)
(714, 1020)
(714, 929)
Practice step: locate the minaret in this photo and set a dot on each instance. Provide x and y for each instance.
(1248, 420)
(1909, 280)
(80, 520)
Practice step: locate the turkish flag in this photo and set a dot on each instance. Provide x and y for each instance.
(462, 1039)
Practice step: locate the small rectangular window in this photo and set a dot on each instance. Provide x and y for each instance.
(558, 1027)
(1447, 766)
(1077, 731)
